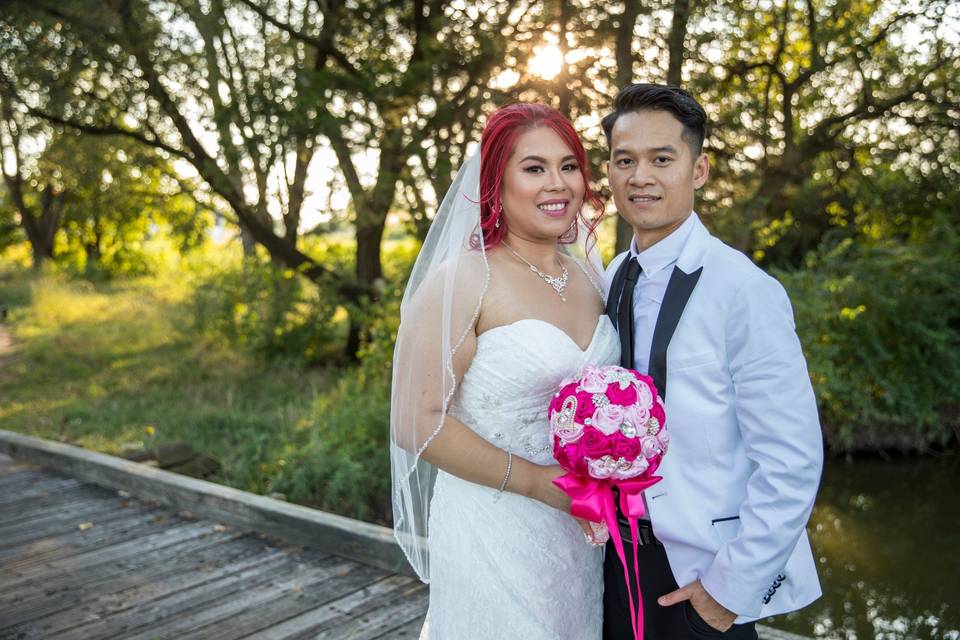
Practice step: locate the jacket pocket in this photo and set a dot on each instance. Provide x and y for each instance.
(725, 528)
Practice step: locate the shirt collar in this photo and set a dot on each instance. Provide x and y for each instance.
(665, 252)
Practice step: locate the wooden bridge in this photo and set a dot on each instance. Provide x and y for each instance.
(79, 561)
(95, 547)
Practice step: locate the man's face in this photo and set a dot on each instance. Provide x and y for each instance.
(653, 174)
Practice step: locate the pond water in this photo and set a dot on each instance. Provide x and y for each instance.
(886, 534)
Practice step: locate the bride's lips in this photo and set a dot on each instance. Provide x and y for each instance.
(556, 208)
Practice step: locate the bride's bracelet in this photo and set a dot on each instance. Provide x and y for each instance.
(506, 475)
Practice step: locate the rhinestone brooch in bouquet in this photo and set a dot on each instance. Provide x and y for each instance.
(609, 432)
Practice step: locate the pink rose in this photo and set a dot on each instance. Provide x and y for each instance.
(562, 455)
(664, 438)
(594, 443)
(623, 397)
(585, 407)
(638, 416)
(658, 413)
(592, 380)
(645, 394)
(624, 447)
(636, 468)
(602, 468)
(650, 446)
(609, 418)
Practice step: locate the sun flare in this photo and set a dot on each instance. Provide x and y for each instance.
(547, 61)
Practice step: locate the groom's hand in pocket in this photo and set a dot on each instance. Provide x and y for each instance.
(712, 612)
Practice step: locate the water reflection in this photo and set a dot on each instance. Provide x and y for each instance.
(887, 536)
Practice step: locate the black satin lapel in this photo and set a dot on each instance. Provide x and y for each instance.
(616, 290)
(674, 301)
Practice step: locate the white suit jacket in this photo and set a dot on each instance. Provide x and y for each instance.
(746, 450)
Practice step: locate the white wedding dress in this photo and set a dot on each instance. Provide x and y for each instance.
(507, 566)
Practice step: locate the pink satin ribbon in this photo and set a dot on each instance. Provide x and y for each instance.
(592, 500)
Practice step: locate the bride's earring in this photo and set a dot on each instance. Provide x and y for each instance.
(498, 209)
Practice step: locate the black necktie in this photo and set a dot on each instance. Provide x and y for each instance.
(625, 314)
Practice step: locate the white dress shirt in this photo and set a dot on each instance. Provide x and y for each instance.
(657, 262)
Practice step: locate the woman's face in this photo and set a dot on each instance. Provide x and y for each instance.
(542, 188)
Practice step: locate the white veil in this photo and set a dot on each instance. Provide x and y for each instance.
(440, 306)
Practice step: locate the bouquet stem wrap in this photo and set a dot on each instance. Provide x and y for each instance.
(592, 499)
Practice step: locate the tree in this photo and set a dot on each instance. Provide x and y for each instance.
(118, 197)
(246, 92)
(34, 197)
(796, 93)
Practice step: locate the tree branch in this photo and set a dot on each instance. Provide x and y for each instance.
(322, 44)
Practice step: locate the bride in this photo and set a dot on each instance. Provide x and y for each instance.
(497, 312)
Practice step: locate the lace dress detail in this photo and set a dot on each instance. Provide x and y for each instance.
(513, 567)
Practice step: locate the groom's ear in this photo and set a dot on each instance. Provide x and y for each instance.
(606, 165)
(701, 170)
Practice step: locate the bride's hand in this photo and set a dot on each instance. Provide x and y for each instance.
(545, 491)
(595, 533)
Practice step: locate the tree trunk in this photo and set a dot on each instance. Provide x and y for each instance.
(624, 56)
(41, 229)
(678, 33)
(248, 241)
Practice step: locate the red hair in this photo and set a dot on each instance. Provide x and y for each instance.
(497, 141)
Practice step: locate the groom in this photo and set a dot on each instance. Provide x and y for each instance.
(725, 543)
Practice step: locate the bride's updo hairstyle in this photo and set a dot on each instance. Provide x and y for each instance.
(499, 137)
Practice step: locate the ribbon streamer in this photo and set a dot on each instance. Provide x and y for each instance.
(592, 499)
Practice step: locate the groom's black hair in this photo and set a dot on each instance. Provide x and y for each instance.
(661, 97)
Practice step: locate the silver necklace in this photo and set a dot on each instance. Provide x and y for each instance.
(558, 283)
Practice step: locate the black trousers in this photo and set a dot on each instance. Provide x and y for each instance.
(678, 622)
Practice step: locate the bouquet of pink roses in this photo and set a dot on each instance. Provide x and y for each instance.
(608, 432)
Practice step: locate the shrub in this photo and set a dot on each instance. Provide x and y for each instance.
(343, 462)
(271, 311)
(880, 324)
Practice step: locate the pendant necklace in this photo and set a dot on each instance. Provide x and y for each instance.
(558, 283)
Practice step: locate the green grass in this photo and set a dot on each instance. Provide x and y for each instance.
(95, 365)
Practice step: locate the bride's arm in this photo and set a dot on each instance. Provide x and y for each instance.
(442, 312)
(458, 450)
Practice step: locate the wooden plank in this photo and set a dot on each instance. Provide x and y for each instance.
(61, 521)
(310, 596)
(74, 589)
(308, 625)
(47, 550)
(10, 478)
(107, 614)
(285, 585)
(409, 631)
(171, 601)
(77, 601)
(328, 532)
(64, 525)
(380, 616)
(8, 465)
(14, 498)
(12, 512)
(135, 542)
